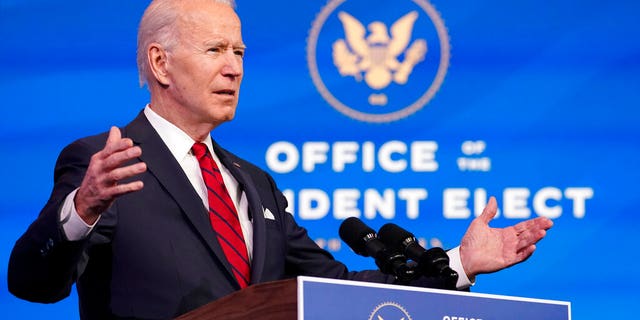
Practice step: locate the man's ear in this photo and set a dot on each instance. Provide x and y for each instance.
(158, 63)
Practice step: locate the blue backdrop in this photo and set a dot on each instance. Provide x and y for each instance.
(534, 102)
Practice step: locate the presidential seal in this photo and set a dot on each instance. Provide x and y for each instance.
(381, 64)
(389, 311)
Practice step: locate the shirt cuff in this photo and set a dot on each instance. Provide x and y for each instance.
(74, 227)
(456, 264)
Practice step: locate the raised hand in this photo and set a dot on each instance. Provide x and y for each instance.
(100, 187)
(484, 249)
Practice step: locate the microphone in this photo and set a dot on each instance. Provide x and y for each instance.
(364, 241)
(432, 262)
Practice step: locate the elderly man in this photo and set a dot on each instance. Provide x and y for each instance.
(155, 219)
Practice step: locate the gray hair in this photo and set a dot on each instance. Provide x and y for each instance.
(158, 25)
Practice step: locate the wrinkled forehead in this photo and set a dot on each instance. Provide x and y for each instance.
(209, 19)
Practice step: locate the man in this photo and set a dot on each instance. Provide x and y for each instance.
(155, 219)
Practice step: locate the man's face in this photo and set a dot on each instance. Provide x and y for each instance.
(205, 67)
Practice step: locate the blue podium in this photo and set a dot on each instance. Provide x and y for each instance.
(338, 299)
(318, 298)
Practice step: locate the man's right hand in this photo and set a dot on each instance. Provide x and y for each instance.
(100, 185)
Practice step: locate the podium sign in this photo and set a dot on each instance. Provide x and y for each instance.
(337, 299)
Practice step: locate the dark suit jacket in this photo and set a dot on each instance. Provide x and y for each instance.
(153, 254)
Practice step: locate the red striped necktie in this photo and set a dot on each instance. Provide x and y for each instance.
(223, 216)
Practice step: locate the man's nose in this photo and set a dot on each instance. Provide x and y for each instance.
(232, 65)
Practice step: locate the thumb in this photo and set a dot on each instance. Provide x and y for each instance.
(114, 135)
(489, 211)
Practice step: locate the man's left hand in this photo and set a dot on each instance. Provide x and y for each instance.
(484, 249)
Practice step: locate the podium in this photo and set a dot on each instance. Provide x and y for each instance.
(271, 300)
(319, 298)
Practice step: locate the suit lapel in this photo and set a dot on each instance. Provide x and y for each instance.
(161, 164)
(255, 210)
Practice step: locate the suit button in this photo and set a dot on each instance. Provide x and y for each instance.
(47, 247)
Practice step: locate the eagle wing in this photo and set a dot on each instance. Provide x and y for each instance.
(354, 32)
(401, 31)
(346, 61)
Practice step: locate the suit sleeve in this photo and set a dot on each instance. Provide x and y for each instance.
(43, 263)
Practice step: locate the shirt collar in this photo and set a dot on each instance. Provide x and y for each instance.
(178, 141)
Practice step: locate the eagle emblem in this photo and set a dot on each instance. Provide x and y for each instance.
(376, 55)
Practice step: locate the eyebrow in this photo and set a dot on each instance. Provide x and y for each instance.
(217, 43)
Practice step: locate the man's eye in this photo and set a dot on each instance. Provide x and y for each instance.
(215, 50)
(239, 53)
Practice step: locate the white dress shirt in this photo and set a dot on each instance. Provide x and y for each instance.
(179, 143)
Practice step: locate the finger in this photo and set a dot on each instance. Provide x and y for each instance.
(489, 211)
(529, 238)
(119, 174)
(524, 254)
(112, 139)
(117, 146)
(115, 142)
(114, 135)
(117, 159)
(544, 223)
(537, 223)
(125, 188)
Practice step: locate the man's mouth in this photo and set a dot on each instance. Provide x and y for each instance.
(227, 92)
